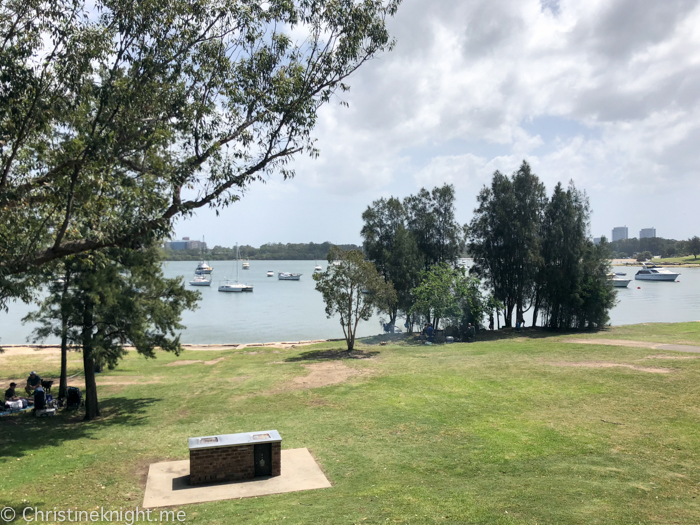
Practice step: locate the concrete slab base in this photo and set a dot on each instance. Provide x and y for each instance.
(168, 483)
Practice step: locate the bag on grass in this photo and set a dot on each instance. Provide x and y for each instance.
(74, 398)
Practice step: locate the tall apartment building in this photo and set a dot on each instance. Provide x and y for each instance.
(186, 244)
(620, 233)
(646, 233)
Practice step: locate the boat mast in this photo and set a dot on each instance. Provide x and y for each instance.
(236, 263)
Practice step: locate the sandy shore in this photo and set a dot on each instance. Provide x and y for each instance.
(10, 350)
(629, 262)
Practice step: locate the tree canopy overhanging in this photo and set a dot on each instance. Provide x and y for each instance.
(119, 116)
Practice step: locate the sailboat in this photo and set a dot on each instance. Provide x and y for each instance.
(234, 286)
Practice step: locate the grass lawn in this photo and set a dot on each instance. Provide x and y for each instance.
(682, 260)
(513, 430)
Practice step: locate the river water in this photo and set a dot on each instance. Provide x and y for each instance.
(294, 310)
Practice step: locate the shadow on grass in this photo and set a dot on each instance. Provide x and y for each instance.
(330, 354)
(23, 432)
(414, 339)
(18, 509)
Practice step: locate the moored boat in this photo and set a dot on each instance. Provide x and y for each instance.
(286, 276)
(200, 280)
(270, 273)
(203, 268)
(651, 272)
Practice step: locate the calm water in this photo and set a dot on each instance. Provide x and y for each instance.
(293, 310)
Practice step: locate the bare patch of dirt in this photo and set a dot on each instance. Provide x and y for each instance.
(661, 356)
(323, 374)
(605, 364)
(184, 362)
(214, 361)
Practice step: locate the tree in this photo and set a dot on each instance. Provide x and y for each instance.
(116, 297)
(447, 293)
(393, 250)
(644, 256)
(352, 288)
(693, 246)
(504, 238)
(129, 115)
(54, 316)
(574, 288)
(431, 219)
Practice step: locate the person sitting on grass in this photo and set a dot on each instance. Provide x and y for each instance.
(33, 381)
(10, 394)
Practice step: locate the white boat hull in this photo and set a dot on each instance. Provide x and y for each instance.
(289, 276)
(621, 283)
(657, 277)
(200, 283)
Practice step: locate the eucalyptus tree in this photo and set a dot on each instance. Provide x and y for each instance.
(392, 249)
(431, 219)
(126, 115)
(352, 288)
(504, 238)
(114, 298)
(575, 291)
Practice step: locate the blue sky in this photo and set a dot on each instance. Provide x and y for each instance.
(604, 93)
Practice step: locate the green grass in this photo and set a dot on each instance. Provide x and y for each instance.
(491, 432)
(682, 260)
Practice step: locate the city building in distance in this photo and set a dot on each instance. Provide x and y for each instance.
(620, 233)
(647, 233)
(596, 240)
(186, 244)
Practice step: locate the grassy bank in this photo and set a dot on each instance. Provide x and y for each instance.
(511, 430)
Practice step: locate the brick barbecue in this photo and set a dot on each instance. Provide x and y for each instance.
(232, 457)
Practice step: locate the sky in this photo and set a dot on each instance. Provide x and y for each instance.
(604, 92)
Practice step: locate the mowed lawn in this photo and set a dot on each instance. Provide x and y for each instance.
(519, 429)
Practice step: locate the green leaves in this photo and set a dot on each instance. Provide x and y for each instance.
(447, 293)
(351, 289)
(112, 126)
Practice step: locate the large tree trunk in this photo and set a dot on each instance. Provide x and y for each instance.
(91, 408)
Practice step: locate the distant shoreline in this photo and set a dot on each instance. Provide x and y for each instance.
(627, 262)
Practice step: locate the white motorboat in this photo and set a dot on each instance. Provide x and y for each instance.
(651, 272)
(200, 280)
(285, 276)
(203, 268)
(270, 273)
(230, 285)
(246, 265)
(234, 286)
(618, 281)
(318, 268)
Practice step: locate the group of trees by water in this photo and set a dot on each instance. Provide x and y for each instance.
(270, 251)
(624, 248)
(532, 254)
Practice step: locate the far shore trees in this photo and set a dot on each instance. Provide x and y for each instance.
(114, 298)
(693, 246)
(352, 289)
(130, 115)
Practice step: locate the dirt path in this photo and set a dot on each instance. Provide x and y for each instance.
(637, 344)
